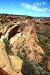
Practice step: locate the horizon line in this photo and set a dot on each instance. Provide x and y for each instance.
(24, 15)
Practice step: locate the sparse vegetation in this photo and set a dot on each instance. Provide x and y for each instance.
(29, 67)
(22, 52)
(42, 39)
(8, 46)
(44, 42)
(32, 68)
(2, 21)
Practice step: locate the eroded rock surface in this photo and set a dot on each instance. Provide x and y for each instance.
(28, 37)
(9, 64)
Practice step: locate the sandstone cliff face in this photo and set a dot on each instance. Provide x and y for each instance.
(8, 64)
(16, 64)
(28, 37)
(5, 64)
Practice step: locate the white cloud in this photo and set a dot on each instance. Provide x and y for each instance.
(11, 4)
(36, 6)
(44, 3)
(26, 5)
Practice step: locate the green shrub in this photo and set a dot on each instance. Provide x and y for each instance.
(8, 47)
(22, 52)
(32, 68)
(2, 22)
(48, 73)
(42, 39)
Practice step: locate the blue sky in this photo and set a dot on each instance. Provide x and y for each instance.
(37, 8)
